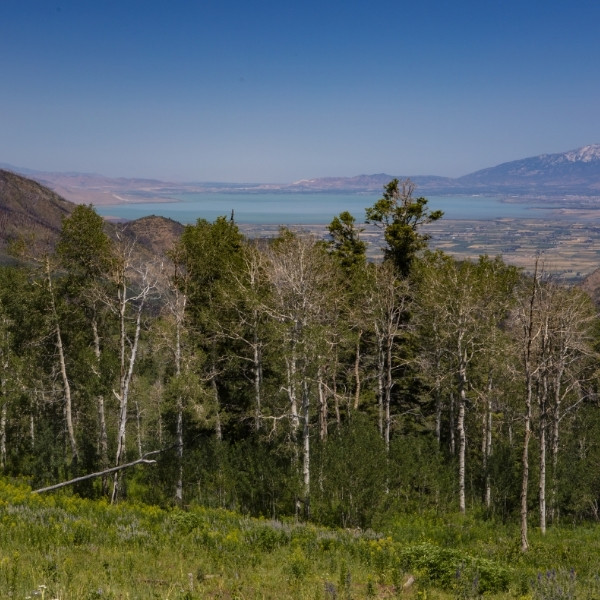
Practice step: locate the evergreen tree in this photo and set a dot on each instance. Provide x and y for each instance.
(345, 242)
(401, 216)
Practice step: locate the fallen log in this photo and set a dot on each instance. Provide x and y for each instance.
(139, 461)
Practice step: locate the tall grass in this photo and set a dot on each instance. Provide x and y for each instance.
(63, 547)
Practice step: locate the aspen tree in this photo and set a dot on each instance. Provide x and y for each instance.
(303, 282)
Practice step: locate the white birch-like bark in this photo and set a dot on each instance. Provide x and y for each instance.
(529, 336)
(462, 436)
(380, 380)
(306, 447)
(3, 418)
(486, 442)
(322, 408)
(452, 427)
(128, 349)
(102, 431)
(68, 404)
(181, 301)
(301, 301)
(4, 354)
(357, 378)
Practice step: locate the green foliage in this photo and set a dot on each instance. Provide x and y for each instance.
(210, 254)
(452, 569)
(83, 247)
(400, 215)
(345, 242)
(264, 375)
(350, 489)
(420, 476)
(140, 551)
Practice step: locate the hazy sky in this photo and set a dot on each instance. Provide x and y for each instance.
(276, 91)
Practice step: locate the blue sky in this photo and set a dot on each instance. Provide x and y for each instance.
(276, 91)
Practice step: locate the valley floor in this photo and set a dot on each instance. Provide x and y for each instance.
(570, 249)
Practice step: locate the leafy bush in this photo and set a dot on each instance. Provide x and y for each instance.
(452, 569)
(267, 538)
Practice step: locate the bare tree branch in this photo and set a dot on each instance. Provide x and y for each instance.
(57, 486)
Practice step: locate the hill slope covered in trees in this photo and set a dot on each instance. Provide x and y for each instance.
(292, 378)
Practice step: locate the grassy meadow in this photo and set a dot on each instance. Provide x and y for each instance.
(62, 547)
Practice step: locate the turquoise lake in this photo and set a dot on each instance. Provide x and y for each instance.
(306, 208)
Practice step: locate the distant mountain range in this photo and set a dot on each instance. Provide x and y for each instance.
(569, 174)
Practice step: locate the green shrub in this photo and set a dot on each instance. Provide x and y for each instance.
(267, 538)
(454, 570)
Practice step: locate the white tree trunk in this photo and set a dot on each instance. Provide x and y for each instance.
(529, 336)
(3, 418)
(127, 367)
(323, 408)
(357, 380)
(462, 437)
(102, 433)
(486, 444)
(257, 368)
(306, 448)
(63, 367)
(389, 383)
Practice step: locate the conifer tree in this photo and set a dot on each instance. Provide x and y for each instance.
(401, 217)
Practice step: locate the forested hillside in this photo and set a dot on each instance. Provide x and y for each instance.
(294, 377)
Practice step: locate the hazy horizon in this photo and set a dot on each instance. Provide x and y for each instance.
(274, 93)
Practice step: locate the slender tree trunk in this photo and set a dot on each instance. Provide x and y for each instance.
(180, 306)
(542, 390)
(486, 445)
(179, 442)
(323, 408)
(3, 418)
(179, 425)
(138, 422)
(528, 351)
(63, 368)
(306, 447)
(388, 391)
(336, 402)
(380, 377)
(542, 482)
(102, 433)
(462, 437)
(257, 367)
(438, 402)
(452, 426)
(218, 428)
(357, 387)
(556, 416)
(4, 402)
(292, 367)
(33, 412)
(525, 473)
(127, 367)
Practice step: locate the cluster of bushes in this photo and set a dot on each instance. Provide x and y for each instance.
(61, 546)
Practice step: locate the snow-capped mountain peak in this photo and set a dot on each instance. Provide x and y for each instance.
(585, 154)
